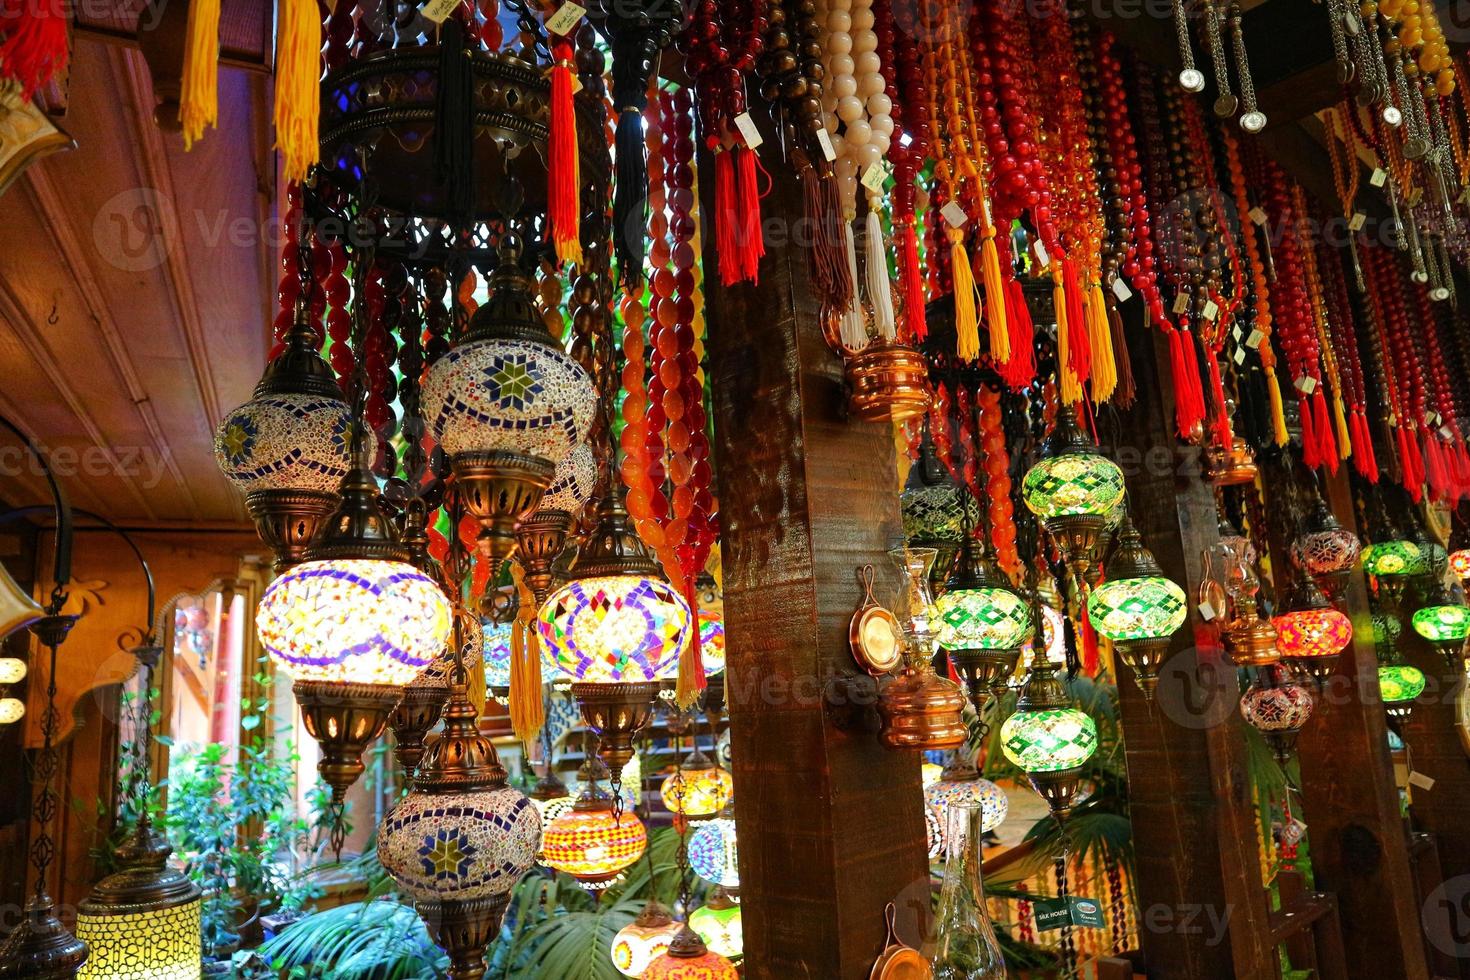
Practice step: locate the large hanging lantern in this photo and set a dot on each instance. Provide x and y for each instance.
(1445, 625)
(982, 621)
(287, 448)
(507, 404)
(713, 854)
(1400, 685)
(1072, 488)
(352, 624)
(1048, 738)
(931, 507)
(644, 939)
(718, 924)
(593, 843)
(1392, 564)
(1310, 632)
(1277, 707)
(1138, 608)
(962, 783)
(697, 789)
(688, 958)
(541, 537)
(1326, 550)
(920, 710)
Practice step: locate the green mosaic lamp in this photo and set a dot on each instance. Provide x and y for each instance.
(1400, 685)
(1445, 624)
(932, 508)
(983, 622)
(1392, 563)
(1073, 488)
(1048, 737)
(1137, 608)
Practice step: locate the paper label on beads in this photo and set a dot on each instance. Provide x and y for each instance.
(1121, 290)
(748, 132)
(439, 10)
(826, 141)
(1355, 223)
(1043, 258)
(1210, 311)
(1447, 433)
(875, 177)
(1378, 177)
(1257, 215)
(1206, 611)
(1306, 384)
(565, 18)
(1181, 304)
(954, 214)
(1254, 340)
(1239, 355)
(1421, 781)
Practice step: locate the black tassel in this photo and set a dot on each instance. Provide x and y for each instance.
(454, 135)
(630, 196)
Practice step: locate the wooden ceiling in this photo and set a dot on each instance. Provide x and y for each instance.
(136, 285)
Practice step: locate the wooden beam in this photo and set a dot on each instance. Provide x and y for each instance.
(831, 825)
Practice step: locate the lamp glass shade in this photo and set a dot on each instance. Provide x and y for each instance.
(713, 854)
(153, 944)
(636, 946)
(1394, 558)
(12, 710)
(1143, 608)
(593, 845)
(575, 479)
(1311, 633)
(1328, 551)
(614, 628)
(497, 656)
(992, 800)
(551, 809)
(720, 928)
(711, 642)
(710, 966)
(1048, 739)
(12, 670)
(508, 395)
(285, 442)
(17, 609)
(459, 846)
(1400, 682)
(987, 618)
(353, 620)
(697, 792)
(932, 513)
(1072, 483)
(930, 773)
(1283, 707)
(1442, 624)
(1460, 563)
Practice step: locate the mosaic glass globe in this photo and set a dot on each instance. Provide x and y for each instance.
(551, 809)
(642, 941)
(158, 944)
(1048, 739)
(711, 642)
(1137, 608)
(1394, 558)
(1400, 682)
(710, 966)
(1312, 633)
(722, 749)
(1442, 624)
(720, 928)
(614, 628)
(353, 620)
(713, 853)
(1326, 551)
(505, 394)
(930, 773)
(1460, 562)
(594, 846)
(12, 710)
(931, 513)
(1386, 628)
(576, 478)
(985, 618)
(1282, 707)
(285, 442)
(1072, 483)
(497, 656)
(463, 846)
(697, 792)
(992, 800)
(12, 670)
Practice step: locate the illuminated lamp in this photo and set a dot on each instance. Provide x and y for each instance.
(12, 710)
(711, 642)
(594, 841)
(931, 507)
(698, 788)
(1310, 633)
(1137, 608)
(1458, 558)
(1277, 707)
(1400, 685)
(1445, 625)
(687, 958)
(713, 852)
(1326, 550)
(1048, 738)
(930, 773)
(919, 709)
(962, 783)
(541, 537)
(983, 622)
(644, 939)
(1392, 563)
(1072, 488)
(718, 924)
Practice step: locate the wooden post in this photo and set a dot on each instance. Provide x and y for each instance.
(1202, 901)
(831, 823)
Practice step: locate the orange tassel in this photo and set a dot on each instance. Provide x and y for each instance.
(691, 663)
(563, 164)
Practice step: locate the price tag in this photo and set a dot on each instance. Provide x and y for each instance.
(1355, 223)
(1429, 419)
(1042, 258)
(1257, 215)
(576, 83)
(438, 10)
(1236, 333)
(875, 176)
(1254, 340)
(748, 132)
(1210, 311)
(1181, 304)
(1421, 781)
(1379, 177)
(1240, 355)
(565, 18)
(1121, 290)
(826, 141)
(1054, 913)
(1206, 611)
(1087, 913)
(1306, 384)
(954, 214)
(1447, 432)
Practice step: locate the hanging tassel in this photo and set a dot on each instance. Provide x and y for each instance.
(1311, 448)
(1100, 340)
(1067, 388)
(1223, 436)
(1181, 383)
(1001, 348)
(1433, 466)
(1322, 422)
(35, 44)
(1363, 456)
(911, 282)
(1079, 347)
(750, 243)
(830, 277)
(691, 679)
(1088, 642)
(1126, 391)
(527, 709)
(854, 331)
(727, 220)
(966, 299)
(875, 260)
(298, 69)
(1339, 416)
(1278, 409)
(1193, 384)
(1021, 369)
(563, 168)
(199, 103)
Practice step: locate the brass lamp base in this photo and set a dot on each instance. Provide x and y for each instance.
(540, 538)
(498, 489)
(888, 382)
(1230, 467)
(985, 672)
(616, 713)
(287, 520)
(1283, 744)
(1318, 668)
(411, 720)
(1082, 539)
(41, 948)
(1250, 641)
(1145, 657)
(464, 930)
(921, 710)
(344, 719)
(1058, 788)
(1334, 584)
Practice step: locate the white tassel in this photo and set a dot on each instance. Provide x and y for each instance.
(880, 290)
(854, 332)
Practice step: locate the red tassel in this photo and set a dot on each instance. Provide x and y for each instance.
(1327, 446)
(34, 48)
(1089, 644)
(949, 669)
(727, 219)
(1179, 373)
(563, 206)
(1079, 347)
(1191, 375)
(1433, 466)
(1363, 459)
(1020, 370)
(750, 241)
(1311, 448)
(911, 282)
(1223, 436)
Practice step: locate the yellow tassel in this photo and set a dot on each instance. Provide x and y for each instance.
(1100, 335)
(199, 103)
(966, 305)
(1070, 390)
(475, 669)
(1278, 413)
(298, 71)
(901, 454)
(527, 710)
(1344, 442)
(1000, 336)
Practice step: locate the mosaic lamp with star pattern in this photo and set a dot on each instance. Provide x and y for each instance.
(1310, 632)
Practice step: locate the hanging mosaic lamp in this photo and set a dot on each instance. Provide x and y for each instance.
(1392, 564)
(1459, 553)
(613, 629)
(1072, 488)
(352, 624)
(697, 789)
(718, 924)
(983, 622)
(962, 783)
(594, 841)
(287, 449)
(461, 839)
(1048, 738)
(507, 404)
(1445, 625)
(1137, 608)
(425, 695)
(920, 709)
(931, 506)
(1326, 550)
(1310, 632)
(713, 853)
(1400, 685)
(711, 642)
(1277, 707)
(687, 958)
(644, 939)
(541, 537)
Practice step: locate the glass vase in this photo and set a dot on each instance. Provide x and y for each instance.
(966, 948)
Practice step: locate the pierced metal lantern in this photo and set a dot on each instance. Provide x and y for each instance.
(1326, 550)
(1277, 707)
(1072, 488)
(1138, 608)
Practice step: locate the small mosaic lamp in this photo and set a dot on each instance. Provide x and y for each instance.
(1310, 632)
(1048, 738)
(644, 939)
(594, 841)
(687, 958)
(1445, 624)
(1326, 550)
(983, 622)
(1400, 685)
(713, 852)
(931, 507)
(541, 537)
(698, 788)
(1277, 706)
(962, 783)
(718, 924)
(1391, 564)
(1073, 488)
(1138, 608)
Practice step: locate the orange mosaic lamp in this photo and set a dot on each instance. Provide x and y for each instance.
(689, 959)
(592, 842)
(1310, 632)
